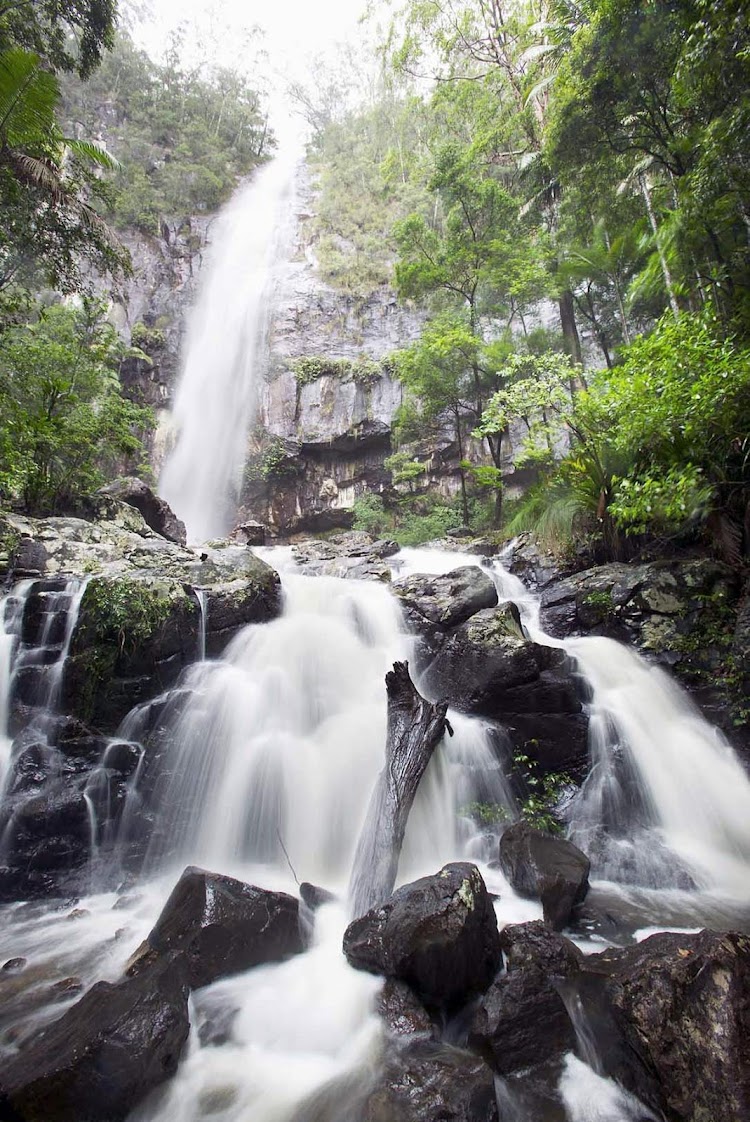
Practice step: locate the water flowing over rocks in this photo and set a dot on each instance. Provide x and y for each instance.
(104, 1055)
(215, 926)
(356, 555)
(438, 934)
(487, 667)
(423, 1082)
(546, 868)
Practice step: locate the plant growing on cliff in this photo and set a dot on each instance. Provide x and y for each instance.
(64, 425)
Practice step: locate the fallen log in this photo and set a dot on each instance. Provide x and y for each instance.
(415, 728)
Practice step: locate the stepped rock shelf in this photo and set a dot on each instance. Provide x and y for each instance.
(184, 742)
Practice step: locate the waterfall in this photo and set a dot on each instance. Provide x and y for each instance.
(666, 794)
(224, 354)
(276, 746)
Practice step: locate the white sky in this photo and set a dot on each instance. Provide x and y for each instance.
(294, 33)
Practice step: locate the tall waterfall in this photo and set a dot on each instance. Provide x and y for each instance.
(225, 353)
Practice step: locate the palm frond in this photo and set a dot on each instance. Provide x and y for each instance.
(28, 99)
(91, 151)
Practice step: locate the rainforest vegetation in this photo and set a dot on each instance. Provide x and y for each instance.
(97, 143)
(565, 189)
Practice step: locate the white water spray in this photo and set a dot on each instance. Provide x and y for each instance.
(224, 354)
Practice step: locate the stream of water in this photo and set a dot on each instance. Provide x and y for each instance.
(272, 751)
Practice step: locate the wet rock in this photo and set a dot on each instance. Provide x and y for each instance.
(47, 837)
(532, 564)
(314, 896)
(103, 1055)
(65, 989)
(156, 512)
(251, 532)
(448, 600)
(217, 926)
(356, 555)
(488, 668)
(426, 1082)
(402, 1010)
(14, 965)
(437, 934)
(232, 605)
(28, 558)
(672, 1020)
(546, 868)
(521, 1020)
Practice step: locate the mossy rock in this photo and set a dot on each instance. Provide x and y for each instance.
(134, 637)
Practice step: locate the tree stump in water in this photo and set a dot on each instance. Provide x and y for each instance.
(415, 728)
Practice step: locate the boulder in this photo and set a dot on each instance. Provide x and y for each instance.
(28, 558)
(217, 926)
(671, 1017)
(546, 868)
(156, 512)
(356, 555)
(426, 1082)
(437, 934)
(447, 600)
(48, 839)
(251, 533)
(402, 1010)
(521, 1020)
(103, 1055)
(488, 668)
(535, 566)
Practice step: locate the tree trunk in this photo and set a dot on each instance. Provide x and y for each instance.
(415, 728)
(668, 282)
(571, 338)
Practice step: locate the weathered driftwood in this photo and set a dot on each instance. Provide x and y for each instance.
(415, 727)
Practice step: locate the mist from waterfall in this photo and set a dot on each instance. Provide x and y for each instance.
(225, 352)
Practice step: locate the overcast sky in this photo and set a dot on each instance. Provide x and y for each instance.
(294, 32)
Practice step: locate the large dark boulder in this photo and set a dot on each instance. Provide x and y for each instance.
(487, 667)
(521, 1020)
(437, 934)
(447, 600)
(546, 868)
(156, 512)
(427, 1082)
(672, 1017)
(103, 1055)
(47, 836)
(216, 926)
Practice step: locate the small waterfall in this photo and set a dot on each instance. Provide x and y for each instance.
(202, 597)
(278, 744)
(11, 617)
(224, 355)
(667, 801)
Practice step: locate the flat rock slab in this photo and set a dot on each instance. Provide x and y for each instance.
(450, 599)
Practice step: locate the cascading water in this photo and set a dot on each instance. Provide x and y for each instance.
(266, 758)
(666, 804)
(224, 354)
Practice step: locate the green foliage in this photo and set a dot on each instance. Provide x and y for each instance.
(183, 136)
(272, 462)
(64, 425)
(123, 612)
(70, 36)
(404, 468)
(51, 230)
(147, 337)
(542, 793)
(361, 369)
(371, 516)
